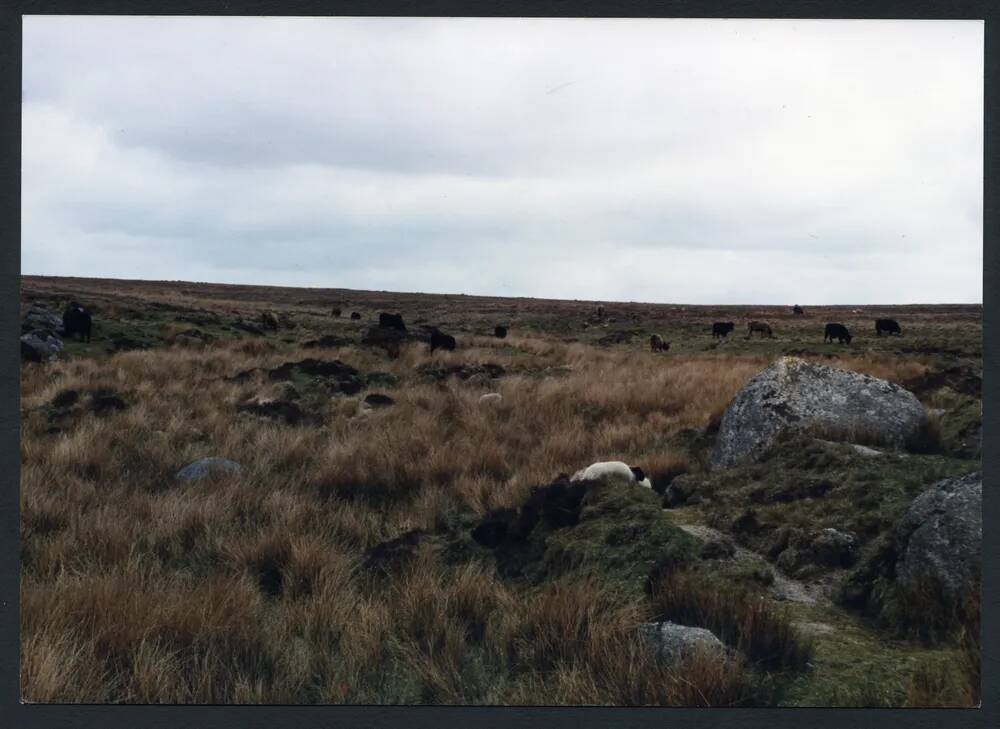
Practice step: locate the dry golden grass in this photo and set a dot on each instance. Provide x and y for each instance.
(248, 589)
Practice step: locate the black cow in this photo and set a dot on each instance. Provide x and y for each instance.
(391, 321)
(440, 340)
(838, 332)
(889, 326)
(355, 315)
(722, 328)
(797, 310)
(500, 332)
(77, 320)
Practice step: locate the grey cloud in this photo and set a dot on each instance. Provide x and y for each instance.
(747, 160)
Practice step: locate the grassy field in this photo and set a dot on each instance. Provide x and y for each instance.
(336, 567)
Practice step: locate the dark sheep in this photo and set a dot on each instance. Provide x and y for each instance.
(391, 321)
(77, 320)
(838, 332)
(500, 332)
(440, 340)
(722, 328)
(889, 326)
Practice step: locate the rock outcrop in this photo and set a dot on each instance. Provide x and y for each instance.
(673, 643)
(940, 537)
(793, 394)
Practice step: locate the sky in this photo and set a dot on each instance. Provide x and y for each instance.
(668, 161)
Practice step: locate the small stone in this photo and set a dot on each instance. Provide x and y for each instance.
(205, 467)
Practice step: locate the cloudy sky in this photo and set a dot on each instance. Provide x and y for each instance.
(687, 161)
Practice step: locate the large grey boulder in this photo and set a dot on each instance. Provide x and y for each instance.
(793, 394)
(36, 318)
(673, 643)
(206, 467)
(939, 538)
(40, 346)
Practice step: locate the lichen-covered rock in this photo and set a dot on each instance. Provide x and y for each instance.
(40, 346)
(673, 643)
(940, 537)
(793, 394)
(42, 319)
(205, 467)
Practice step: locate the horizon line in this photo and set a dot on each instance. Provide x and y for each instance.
(474, 295)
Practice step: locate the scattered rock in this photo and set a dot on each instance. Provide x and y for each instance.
(679, 490)
(40, 346)
(865, 450)
(673, 643)
(207, 467)
(793, 394)
(834, 548)
(41, 319)
(939, 538)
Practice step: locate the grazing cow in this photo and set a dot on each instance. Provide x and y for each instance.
(500, 332)
(759, 326)
(355, 316)
(440, 340)
(797, 310)
(77, 320)
(889, 326)
(722, 328)
(391, 321)
(612, 468)
(656, 344)
(335, 311)
(269, 320)
(838, 332)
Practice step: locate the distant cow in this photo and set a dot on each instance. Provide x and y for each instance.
(600, 311)
(269, 320)
(722, 328)
(440, 340)
(391, 321)
(838, 332)
(355, 316)
(656, 344)
(889, 326)
(759, 326)
(500, 332)
(77, 320)
(797, 310)
(335, 311)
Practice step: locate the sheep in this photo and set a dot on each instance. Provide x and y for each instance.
(612, 468)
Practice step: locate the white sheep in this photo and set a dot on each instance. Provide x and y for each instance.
(612, 468)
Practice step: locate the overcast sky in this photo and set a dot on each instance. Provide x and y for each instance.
(687, 161)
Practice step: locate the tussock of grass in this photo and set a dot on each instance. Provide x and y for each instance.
(744, 620)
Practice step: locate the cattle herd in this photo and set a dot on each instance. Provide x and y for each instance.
(77, 321)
